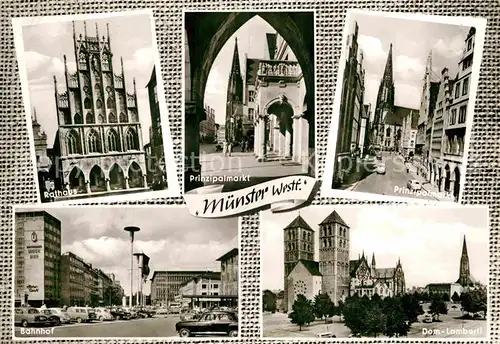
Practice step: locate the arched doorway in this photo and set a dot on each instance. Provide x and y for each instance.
(281, 128)
(206, 34)
(97, 179)
(77, 180)
(135, 177)
(116, 178)
(447, 178)
(456, 186)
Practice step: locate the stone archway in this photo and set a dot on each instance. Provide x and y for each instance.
(205, 35)
(116, 177)
(77, 180)
(281, 133)
(135, 177)
(97, 179)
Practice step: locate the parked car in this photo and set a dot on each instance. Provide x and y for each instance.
(414, 185)
(81, 314)
(427, 318)
(381, 169)
(103, 314)
(211, 322)
(161, 311)
(143, 312)
(54, 320)
(119, 313)
(26, 316)
(190, 316)
(65, 318)
(326, 335)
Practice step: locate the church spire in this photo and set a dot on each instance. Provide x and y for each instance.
(373, 260)
(235, 68)
(464, 275)
(388, 67)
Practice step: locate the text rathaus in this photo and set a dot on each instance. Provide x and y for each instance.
(97, 148)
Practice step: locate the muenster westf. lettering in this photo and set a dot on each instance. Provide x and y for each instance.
(286, 187)
(231, 202)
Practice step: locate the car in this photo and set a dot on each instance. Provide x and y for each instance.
(414, 185)
(103, 314)
(81, 314)
(26, 316)
(161, 311)
(427, 318)
(190, 316)
(144, 312)
(380, 169)
(119, 313)
(65, 318)
(54, 320)
(211, 322)
(326, 335)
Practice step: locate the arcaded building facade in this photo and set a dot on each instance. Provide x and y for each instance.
(98, 146)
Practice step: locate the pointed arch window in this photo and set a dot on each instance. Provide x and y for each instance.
(112, 118)
(87, 103)
(82, 60)
(89, 119)
(105, 61)
(123, 117)
(98, 104)
(132, 140)
(113, 142)
(100, 119)
(110, 103)
(97, 89)
(77, 118)
(94, 142)
(73, 143)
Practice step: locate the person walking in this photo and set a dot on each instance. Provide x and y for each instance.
(230, 148)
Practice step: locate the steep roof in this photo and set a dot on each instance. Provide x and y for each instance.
(385, 272)
(395, 117)
(353, 266)
(334, 217)
(299, 222)
(271, 44)
(251, 72)
(311, 266)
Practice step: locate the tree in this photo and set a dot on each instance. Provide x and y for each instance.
(411, 307)
(269, 301)
(323, 306)
(397, 323)
(112, 295)
(474, 301)
(455, 297)
(339, 309)
(437, 307)
(446, 297)
(302, 311)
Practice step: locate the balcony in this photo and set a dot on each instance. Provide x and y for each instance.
(279, 69)
(130, 101)
(118, 82)
(62, 100)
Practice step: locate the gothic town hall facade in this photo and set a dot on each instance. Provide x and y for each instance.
(335, 273)
(98, 145)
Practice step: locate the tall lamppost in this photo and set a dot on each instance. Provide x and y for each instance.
(131, 231)
(139, 278)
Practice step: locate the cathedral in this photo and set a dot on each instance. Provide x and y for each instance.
(388, 119)
(334, 273)
(234, 104)
(98, 145)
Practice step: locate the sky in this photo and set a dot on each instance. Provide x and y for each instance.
(46, 43)
(170, 236)
(251, 41)
(412, 41)
(428, 240)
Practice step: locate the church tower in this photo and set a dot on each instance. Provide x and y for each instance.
(373, 266)
(298, 245)
(334, 256)
(40, 137)
(464, 276)
(385, 98)
(234, 104)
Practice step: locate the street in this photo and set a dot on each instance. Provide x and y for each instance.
(394, 181)
(149, 327)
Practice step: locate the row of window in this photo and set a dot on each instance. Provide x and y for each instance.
(94, 143)
(462, 114)
(90, 118)
(329, 230)
(464, 86)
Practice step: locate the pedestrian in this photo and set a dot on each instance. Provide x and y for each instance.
(230, 148)
(224, 148)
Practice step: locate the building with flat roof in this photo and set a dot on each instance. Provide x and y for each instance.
(229, 275)
(80, 286)
(37, 259)
(201, 291)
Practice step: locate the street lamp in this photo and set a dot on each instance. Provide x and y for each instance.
(131, 231)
